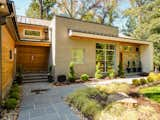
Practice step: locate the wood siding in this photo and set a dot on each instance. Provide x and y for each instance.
(33, 59)
(43, 35)
(8, 65)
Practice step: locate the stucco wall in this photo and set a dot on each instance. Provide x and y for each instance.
(146, 52)
(62, 45)
(7, 64)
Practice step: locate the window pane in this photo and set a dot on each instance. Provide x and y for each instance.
(100, 46)
(99, 55)
(32, 33)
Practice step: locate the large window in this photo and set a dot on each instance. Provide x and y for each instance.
(78, 56)
(34, 33)
(105, 55)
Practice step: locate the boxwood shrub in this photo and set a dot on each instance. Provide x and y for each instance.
(85, 77)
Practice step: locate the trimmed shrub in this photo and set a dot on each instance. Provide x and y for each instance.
(143, 81)
(136, 82)
(153, 76)
(14, 95)
(120, 70)
(150, 79)
(110, 73)
(85, 77)
(15, 88)
(71, 74)
(11, 103)
(98, 73)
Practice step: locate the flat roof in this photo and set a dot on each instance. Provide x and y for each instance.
(73, 33)
(33, 21)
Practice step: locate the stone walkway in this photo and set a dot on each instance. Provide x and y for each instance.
(48, 105)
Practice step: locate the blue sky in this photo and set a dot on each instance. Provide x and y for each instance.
(22, 5)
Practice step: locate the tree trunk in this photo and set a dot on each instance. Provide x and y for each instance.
(41, 8)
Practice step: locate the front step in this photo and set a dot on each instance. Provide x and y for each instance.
(35, 77)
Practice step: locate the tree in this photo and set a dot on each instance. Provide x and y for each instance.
(148, 27)
(40, 9)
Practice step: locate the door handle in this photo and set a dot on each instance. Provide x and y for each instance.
(32, 58)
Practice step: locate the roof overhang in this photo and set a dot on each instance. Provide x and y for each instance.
(85, 35)
(36, 44)
(4, 11)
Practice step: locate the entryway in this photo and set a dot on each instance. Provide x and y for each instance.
(34, 59)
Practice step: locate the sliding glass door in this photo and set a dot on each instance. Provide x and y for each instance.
(105, 55)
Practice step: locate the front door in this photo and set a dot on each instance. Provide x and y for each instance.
(33, 59)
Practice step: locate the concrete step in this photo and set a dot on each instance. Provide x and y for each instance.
(34, 81)
(34, 74)
(35, 77)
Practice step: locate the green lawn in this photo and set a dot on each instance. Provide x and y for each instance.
(152, 92)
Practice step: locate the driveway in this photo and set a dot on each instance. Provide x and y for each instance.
(48, 104)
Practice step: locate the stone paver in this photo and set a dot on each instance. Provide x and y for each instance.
(49, 105)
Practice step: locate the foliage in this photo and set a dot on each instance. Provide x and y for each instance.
(40, 9)
(84, 77)
(98, 73)
(71, 74)
(14, 95)
(11, 103)
(143, 81)
(110, 73)
(118, 111)
(152, 92)
(136, 82)
(120, 70)
(81, 100)
(19, 74)
(114, 88)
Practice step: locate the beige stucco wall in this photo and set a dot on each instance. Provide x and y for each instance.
(62, 45)
(146, 53)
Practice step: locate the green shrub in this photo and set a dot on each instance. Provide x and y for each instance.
(110, 73)
(136, 82)
(150, 79)
(84, 77)
(120, 70)
(143, 81)
(14, 95)
(71, 74)
(10, 103)
(15, 88)
(98, 73)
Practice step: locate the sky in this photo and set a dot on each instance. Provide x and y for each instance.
(22, 5)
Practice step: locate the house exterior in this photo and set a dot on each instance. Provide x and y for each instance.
(36, 44)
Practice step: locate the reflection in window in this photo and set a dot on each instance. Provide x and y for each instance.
(78, 56)
(105, 55)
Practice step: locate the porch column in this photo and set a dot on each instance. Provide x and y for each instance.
(146, 54)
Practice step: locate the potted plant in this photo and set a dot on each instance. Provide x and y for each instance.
(19, 74)
(128, 67)
(140, 67)
(50, 76)
(134, 66)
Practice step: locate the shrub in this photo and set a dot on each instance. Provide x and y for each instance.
(143, 81)
(84, 77)
(10, 103)
(136, 82)
(98, 73)
(153, 76)
(150, 79)
(14, 95)
(120, 70)
(15, 88)
(81, 100)
(110, 73)
(71, 74)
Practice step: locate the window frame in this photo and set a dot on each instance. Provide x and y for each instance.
(32, 35)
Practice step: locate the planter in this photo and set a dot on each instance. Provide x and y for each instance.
(128, 70)
(139, 69)
(134, 69)
(19, 79)
(50, 78)
(61, 78)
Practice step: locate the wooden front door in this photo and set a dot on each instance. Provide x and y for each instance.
(33, 59)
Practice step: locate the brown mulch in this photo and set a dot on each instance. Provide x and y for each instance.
(146, 101)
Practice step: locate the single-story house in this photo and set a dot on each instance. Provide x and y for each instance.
(40, 43)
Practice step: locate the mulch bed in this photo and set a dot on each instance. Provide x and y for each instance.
(12, 114)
